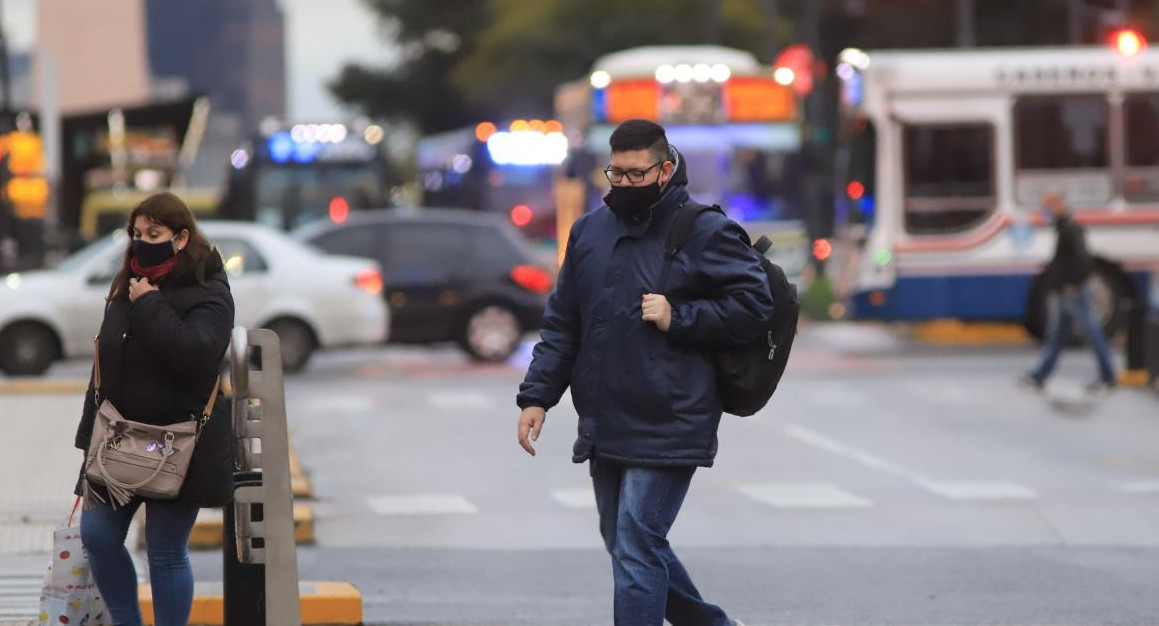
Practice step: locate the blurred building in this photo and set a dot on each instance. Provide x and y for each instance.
(231, 50)
(99, 49)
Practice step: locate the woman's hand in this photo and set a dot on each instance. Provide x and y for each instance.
(139, 287)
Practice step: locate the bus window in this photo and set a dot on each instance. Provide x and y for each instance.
(1142, 119)
(949, 177)
(1061, 141)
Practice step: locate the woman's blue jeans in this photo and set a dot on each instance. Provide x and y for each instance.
(167, 529)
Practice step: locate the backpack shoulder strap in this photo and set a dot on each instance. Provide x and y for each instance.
(678, 235)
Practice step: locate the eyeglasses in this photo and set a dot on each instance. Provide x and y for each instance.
(616, 176)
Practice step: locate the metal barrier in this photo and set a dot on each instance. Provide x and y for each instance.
(261, 559)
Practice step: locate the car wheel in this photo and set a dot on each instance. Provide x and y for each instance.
(491, 333)
(296, 341)
(27, 349)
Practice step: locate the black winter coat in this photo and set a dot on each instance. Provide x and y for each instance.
(1072, 264)
(160, 357)
(646, 397)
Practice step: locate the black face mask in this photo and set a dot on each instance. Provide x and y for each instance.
(150, 254)
(631, 204)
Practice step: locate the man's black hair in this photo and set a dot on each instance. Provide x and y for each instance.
(641, 135)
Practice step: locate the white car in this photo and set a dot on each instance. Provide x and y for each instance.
(310, 299)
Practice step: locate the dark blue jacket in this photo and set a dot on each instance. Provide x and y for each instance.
(645, 397)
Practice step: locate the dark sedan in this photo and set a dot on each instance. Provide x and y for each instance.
(450, 275)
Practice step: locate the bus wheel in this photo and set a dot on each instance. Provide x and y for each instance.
(1111, 295)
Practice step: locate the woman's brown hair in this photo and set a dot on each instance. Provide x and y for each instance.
(166, 209)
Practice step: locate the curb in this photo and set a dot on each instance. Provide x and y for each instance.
(207, 531)
(43, 387)
(299, 483)
(953, 332)
(1135, 378)
(321, 602)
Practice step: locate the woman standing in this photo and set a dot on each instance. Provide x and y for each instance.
(166, 327)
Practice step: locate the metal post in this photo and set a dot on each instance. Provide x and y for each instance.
(1075, 15)
(712, 22)
(966, 38)
(50, 135)
(262, 515)
(772, 16)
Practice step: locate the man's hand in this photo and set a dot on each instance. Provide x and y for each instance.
(530, 423)
(657, 310)
(139, 287)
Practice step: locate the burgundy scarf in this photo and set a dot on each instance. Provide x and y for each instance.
(155, 272)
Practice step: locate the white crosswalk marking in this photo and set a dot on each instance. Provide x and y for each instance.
(581, 498)
(422, 504)
(979, 490)
(20, 595)
(803, 495)
(1140, 487)
(460, 400)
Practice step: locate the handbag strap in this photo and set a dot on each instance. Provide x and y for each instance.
(205, 413)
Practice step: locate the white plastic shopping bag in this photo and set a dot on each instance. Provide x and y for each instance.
(69, 596)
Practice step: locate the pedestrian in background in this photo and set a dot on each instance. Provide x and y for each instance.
(165, 330)
(639, 367)
(1068, 277)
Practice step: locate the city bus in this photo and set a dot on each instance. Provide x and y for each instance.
(737, 126)
(290, 175)
(943, 157)
(504, 168)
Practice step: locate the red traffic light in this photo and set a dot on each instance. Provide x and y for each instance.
(1129, 42)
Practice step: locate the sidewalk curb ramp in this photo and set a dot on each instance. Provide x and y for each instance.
(957, 333)
(321, 602)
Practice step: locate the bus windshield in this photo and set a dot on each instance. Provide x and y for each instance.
(290, 196)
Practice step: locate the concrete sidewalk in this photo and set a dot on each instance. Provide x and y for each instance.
(39, 467)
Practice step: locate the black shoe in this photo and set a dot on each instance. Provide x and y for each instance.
(1031, 384)
(1100, 388)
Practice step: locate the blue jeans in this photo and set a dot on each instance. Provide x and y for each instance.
(637, 506)
(167, 529)
(1075, 303)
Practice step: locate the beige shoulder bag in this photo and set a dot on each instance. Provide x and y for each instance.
(134, 459)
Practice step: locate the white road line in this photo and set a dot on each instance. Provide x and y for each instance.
(1140, 487)
(803, 495)
(460, 400)
(581, 498)
(422, 504)
(955, 490)
(980, 490)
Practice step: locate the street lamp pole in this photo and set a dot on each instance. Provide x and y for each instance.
(966, 35)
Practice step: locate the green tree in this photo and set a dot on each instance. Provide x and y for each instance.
(432, 36)
(465, 60)
(531, 48)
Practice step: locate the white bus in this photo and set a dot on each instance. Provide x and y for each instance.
(943, 156)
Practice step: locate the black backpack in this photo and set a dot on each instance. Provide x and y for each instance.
(747, 376)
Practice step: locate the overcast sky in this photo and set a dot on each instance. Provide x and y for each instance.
(321, 36)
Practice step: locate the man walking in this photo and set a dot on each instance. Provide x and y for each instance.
(1068, 278)
(639, 366)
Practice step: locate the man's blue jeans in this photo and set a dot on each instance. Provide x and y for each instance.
(1075, 303)
(637, 506)
(167, 529)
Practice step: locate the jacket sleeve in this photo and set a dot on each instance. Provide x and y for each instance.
(84, 430)
(186, 345)
(554, 356)
(740, 305)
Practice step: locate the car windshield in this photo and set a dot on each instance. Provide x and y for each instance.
(81, 258)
